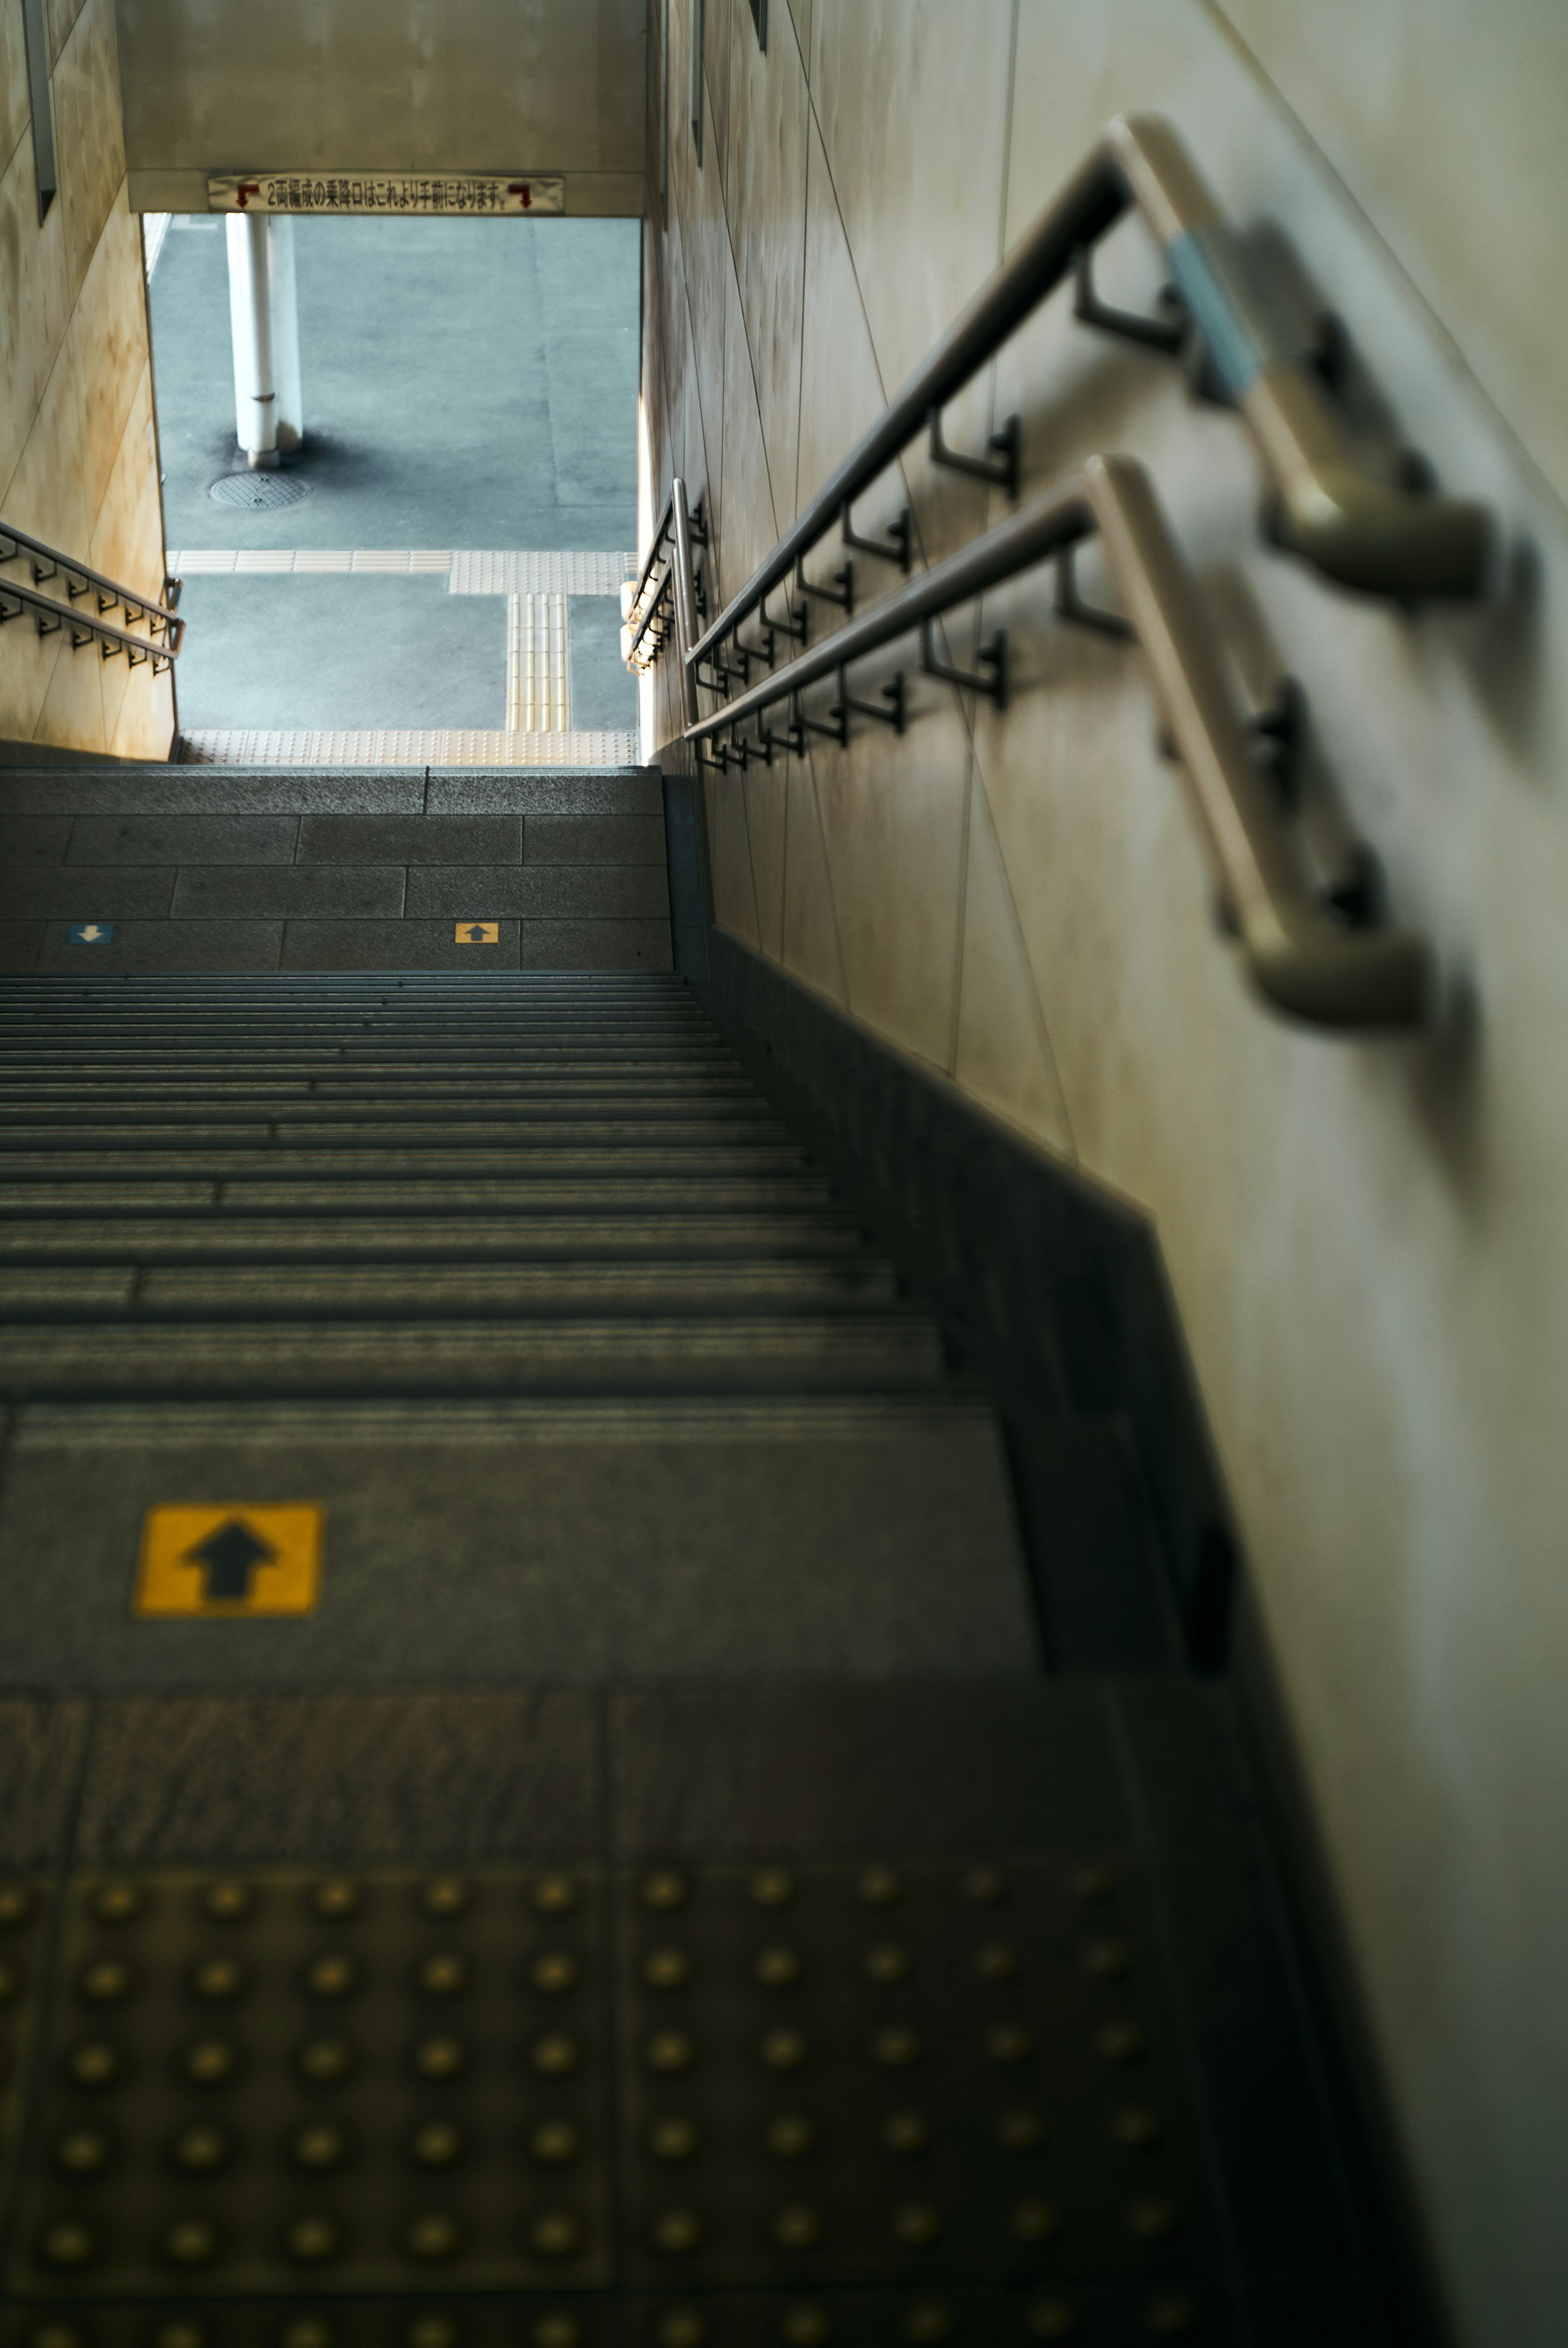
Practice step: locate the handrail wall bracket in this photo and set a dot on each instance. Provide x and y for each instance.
(165, 628)
(990, 680)
(1003, 468)
(1398, 540)
(1304, 956)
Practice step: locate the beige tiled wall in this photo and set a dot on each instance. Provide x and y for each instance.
(78, 458)
(1366, 1239)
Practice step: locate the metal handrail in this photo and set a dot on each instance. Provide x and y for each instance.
(80, 579)
(1301, 959)
(1352, 527)
(87, 627)
(637, 628)
(634, 645)
(660, 534)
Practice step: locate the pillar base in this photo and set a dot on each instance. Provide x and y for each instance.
(261, 461)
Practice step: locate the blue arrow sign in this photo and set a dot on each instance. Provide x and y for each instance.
(91, 934)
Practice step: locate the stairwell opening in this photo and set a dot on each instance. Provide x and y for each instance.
(404, 546)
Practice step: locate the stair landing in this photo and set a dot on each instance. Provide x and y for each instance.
(173, 869)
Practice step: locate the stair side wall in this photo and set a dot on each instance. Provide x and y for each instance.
(1362, 1238)
(79, 438)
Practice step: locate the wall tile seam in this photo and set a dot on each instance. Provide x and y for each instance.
(877, 363)
(849, 248)
(800, 324)
(843, 1004)
(751, 364)
(1468, 384)
(715, 534)
(696, 379)
(76, 32)
(64, 162)
(128, 429)
(986, 1112)
(70, 32)
(141, 322)
(1008, 113)
(752, 862)
(881, 383)
(960, 924)
(1026, 960)
(24, 137)
(724, 355)
(696, 385)
(62, 349)
(954, 694)
(44, 698)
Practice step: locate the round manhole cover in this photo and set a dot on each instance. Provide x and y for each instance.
(258, 492)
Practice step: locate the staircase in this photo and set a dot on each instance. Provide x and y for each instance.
(530, 1811)
(344, 1233)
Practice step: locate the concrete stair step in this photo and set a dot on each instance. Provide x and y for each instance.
(539, 1543)
(474, 1068)
(443, 1129)
(20, 1032)
(614, 1355)
(239, 1292)
(339, 1090)
(522, 1159)
(443, 1195)
(521, 1237)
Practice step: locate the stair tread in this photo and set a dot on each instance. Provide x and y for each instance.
(549, 1356)
(244, 1193)
(522, 1159)
(754, 1285)
(723, 1233)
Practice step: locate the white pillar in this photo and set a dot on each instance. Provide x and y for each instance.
(263, 314)
(285, 334)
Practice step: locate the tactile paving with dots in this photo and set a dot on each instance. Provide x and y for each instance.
(290, 2082)
(805, 2106)
(895, 2075)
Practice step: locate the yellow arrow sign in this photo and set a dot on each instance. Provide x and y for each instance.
(479, 934)
(234, 1558)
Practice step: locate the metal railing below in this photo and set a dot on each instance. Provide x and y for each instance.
(649, 625)
(1303, 957)
(164, 628)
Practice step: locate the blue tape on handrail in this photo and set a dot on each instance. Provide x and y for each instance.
(1239, 326)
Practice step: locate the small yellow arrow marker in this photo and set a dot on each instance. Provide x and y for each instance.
(232, 1560)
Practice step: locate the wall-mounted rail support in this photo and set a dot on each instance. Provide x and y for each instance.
(164, 628)
(1314, 954)
(1380, 537)
(77, 579)
(1302, 958)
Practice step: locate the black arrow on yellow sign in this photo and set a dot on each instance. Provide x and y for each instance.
(228, 1559)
